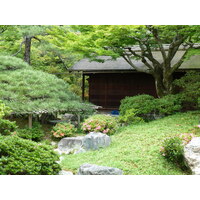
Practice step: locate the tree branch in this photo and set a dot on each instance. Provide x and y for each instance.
(155, 35)
(179, 63)
(128, 59)
(20, 48)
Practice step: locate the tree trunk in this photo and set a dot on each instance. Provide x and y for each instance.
(163, 84)
(30, 120)
(27, 53)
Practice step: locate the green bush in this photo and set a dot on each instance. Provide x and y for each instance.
(23, 157)
(168, 105)
(172, 149)
(189, 86)
(61, 130)
(100, 123)
(35, 133)
(144, 104)
(130, 117)
(7, 127)
(149, 108)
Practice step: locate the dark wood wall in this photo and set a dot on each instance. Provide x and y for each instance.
(108, 89)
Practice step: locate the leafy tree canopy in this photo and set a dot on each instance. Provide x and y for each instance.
(120, 41)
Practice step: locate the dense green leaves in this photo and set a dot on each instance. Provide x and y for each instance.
(22, 157)
(32, 91)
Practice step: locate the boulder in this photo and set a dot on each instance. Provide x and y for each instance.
(192, 155)
(71, 145)
(90, 169)
(92, 141)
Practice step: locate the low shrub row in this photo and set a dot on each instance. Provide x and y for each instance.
(148, 107)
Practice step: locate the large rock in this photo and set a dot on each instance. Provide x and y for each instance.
(71, 145)
(92, 141)
(192, 155)
(89, 169)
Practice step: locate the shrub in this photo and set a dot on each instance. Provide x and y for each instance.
(190, 89)
(130, 117)
(100, 123)
(168, 105)
(35, 133)
(23, 157)
(61, 130)
(172, 150)
(7, 127)
(144, 104)
(173, 147)
(149, 107)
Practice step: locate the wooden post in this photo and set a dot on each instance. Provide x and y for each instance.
(30, 120)
(83, 87)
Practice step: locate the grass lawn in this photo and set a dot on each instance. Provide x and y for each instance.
(135, 149)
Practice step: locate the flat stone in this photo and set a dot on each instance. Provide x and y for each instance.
(63, 172)
(192, 155)
(90, 169)
(92, 141)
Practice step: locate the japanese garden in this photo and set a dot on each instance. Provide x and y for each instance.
(99, 100)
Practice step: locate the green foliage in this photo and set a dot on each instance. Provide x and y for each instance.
(4, 110)
(12, 63)
(190, 88)
(144, 104)
(32, 91)
(47, 52)
(61, 130)
(130, 117)
(172, 149)
(35, 133)
(168, 104)
(7, 127)
(23, 157)
(100, 123)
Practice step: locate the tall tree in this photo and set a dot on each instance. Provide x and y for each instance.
(119, 40)
(32, 92)
(39, 46)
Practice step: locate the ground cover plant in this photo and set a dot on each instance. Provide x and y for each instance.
(136, 149)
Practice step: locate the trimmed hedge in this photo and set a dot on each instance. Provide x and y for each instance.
(23, 157)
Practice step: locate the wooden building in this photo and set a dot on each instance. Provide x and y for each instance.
(112, 80)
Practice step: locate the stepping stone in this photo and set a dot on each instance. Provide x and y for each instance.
(90, 169)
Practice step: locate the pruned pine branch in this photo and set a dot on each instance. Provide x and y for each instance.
(20, 48)
(36, 38)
